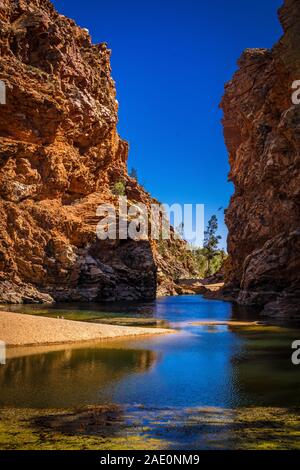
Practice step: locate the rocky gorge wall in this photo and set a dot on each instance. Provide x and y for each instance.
(60, 155)
(262, 134)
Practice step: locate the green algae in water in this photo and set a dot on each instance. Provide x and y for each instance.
(18, 431)
(253, 428)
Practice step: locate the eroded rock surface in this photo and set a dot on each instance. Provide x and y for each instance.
(60, 156)
(262, 133)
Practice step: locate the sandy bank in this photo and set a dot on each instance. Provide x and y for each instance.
(199, 286)
(27, 330)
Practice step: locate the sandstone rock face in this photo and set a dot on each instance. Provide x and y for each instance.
(60, 155)
(262, 133)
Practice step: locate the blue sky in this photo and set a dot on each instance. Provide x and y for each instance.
(170, 61)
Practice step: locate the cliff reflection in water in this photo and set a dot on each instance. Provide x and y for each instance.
(263, 370)
(70, 377)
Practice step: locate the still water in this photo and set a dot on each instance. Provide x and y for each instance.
(221, 366)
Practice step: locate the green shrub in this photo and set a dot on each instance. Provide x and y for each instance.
(119, 189)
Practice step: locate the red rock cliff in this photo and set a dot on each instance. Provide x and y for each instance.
(60, 155)
(262, 133)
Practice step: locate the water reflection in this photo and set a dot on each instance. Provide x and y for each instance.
(263, 368)
(69, 378)
(170, 309)
(206, 366)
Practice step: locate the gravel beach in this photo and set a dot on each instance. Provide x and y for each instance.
(27, 330)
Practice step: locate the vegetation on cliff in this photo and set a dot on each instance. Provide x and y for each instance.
(60, 158)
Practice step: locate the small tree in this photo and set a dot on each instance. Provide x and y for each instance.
(201, 262)
(211, 242)
(217, 261)
(133, 173)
